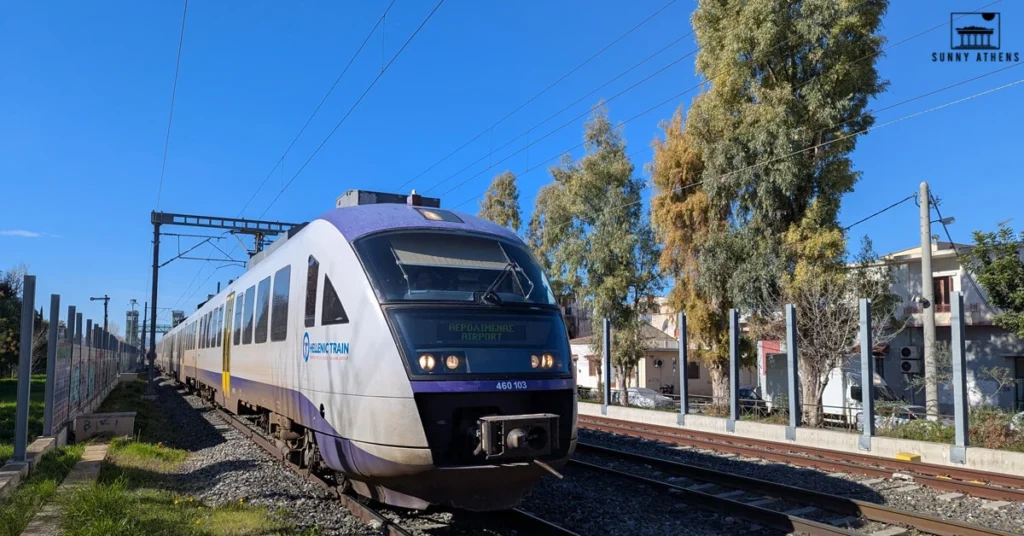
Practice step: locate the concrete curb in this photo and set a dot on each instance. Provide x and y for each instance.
(83, 474)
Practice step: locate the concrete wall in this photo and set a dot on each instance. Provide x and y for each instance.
(883, 447)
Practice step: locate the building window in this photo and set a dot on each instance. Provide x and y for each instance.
(332, 310)
(250, 303)
(279, 307)
(880, 367)
(942, 286)
(238, 320)
(262, 310)
(312, 277)
(692, 370)
(593, 367)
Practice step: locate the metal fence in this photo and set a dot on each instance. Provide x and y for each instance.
(83, 363)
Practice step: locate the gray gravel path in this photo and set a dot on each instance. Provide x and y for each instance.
(891, 492)
(225, 466)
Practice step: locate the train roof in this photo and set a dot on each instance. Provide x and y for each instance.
(355, 222)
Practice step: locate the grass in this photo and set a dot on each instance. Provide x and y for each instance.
(17, 509)
(989, 428)
(130, 498)
(8, 396)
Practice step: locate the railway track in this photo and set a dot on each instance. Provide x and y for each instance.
(982, 484)
(696, 484)
(520, 520)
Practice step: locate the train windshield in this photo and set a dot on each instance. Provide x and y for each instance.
(426, 266)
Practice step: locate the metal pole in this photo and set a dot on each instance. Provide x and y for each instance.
(867, 376)
(734, 370)
(606, 364)
(151, 355)
(931, 388)
(792, 362)
(51, 365)
(142, 339)
(684, 387)
(28, 313)
(958, 452)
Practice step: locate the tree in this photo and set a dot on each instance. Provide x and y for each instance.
(996, 260)
(10, 316)
(501, 203)
(789, 84)
(825, 295)
(684, 221)
(591, 234)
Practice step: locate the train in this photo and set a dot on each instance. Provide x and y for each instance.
(416, 354)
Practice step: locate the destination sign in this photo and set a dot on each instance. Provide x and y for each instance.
(495, 332)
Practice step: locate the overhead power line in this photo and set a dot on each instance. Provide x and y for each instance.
(894, 205)
(170, 114)
(352, 109)
(330, 90)
(543, 91)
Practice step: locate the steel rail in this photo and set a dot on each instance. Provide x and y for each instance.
(722, 505)
(358, 509)
(827, 501)
(969, 481)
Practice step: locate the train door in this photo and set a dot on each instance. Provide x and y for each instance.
(225, 378)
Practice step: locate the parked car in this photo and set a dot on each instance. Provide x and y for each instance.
(751, 402)
(644, 397)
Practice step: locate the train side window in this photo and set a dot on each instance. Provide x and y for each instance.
(312, 277)
(237, 326)
(250, 301)
(262, 310)
(202, 332)
(279, 305)
(332, 310)
(220, 326)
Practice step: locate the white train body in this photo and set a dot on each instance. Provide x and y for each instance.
(351, 380)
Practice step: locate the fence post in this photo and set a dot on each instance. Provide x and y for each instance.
(684, 388)
(792, 362)
(734, 370)
(867, 376)
(958, 451)
(28, 313)
(51, 365)
(606, 365)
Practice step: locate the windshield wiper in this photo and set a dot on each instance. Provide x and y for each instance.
(489, 296)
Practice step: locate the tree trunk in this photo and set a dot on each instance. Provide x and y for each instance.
(623, 394)
(811, 389)
(719, 384)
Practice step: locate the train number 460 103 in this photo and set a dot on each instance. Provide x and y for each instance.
(512, 386)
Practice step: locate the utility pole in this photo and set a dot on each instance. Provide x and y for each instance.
(142, 339)
(931, 388)
(106, 300)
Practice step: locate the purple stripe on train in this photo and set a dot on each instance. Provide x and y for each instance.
(354, 222)
(489, 386)
(339, 453)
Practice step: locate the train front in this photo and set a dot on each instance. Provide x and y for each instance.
(487, 356)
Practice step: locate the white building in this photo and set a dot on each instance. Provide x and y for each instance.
(659, 367)
(987, 345)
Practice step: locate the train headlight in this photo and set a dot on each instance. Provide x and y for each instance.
(534, 361)
(547, 360)
(452, 362)
(427, 362)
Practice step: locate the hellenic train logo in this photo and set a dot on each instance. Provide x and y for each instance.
(323, 351)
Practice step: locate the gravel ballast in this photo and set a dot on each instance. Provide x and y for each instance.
(896, 493)
(224, 466)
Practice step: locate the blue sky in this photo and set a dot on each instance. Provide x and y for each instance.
(85, 90)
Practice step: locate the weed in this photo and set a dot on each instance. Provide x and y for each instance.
(17, 509)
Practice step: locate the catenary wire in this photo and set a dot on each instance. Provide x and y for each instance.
(543, 91)
(170, 113)
(336, 127)
(316, 110)
(352, 108)
(892, 206)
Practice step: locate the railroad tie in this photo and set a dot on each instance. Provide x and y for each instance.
(891, 531)
(730, 494)
(949, 496)
(844, 521)
(995, 505)
(801, 511)
(701, 487)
